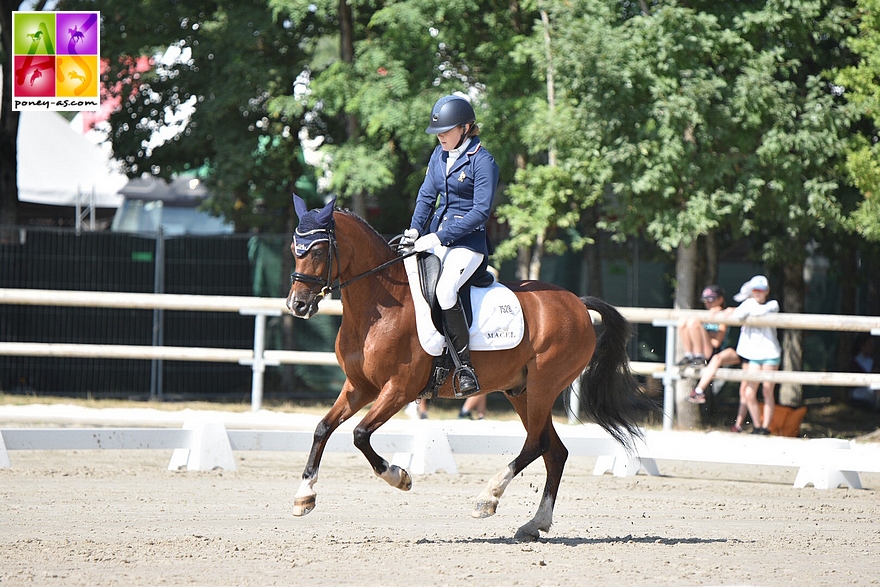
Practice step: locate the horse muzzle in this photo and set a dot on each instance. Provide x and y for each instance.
(303, 305)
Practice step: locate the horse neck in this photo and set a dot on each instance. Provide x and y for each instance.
(361, 249)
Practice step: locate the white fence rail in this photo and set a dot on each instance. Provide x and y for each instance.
(258, 358)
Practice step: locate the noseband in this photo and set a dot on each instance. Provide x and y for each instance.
(326, 283)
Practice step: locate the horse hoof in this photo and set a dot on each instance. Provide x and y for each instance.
(303, 505)
(526, 534)
(484, 509)
(405, 481)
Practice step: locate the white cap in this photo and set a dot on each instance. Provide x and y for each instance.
(757, 282)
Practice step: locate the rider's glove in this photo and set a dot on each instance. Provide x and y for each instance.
(427, 242)
(409, 237)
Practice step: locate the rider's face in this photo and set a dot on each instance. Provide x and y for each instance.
(450, 138)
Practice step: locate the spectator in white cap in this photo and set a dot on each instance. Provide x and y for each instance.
(759, 349)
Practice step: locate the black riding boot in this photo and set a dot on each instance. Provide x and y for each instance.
(457, 339)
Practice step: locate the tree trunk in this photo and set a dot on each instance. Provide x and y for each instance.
(8, 164)
(523, 259)
(537, 257)
(346, 54)
(847, 263)
(534, 270)
(711, 268)
(591, 255)
(685, 275)
(793, 292)
(685, 278)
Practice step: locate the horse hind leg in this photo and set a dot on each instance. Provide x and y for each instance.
(487, 501)
(536, 444)
(554, 461)
(489, 498)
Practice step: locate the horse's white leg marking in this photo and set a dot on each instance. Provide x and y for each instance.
(304, 500)
(531, 531)
(396, 477)
(487, 501)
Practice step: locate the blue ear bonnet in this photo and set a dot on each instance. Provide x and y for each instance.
(314, 225)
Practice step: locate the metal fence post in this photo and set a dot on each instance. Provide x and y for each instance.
(669, 375)
(259, 362)
(158, 315)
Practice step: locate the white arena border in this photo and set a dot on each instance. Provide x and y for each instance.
(206, 440)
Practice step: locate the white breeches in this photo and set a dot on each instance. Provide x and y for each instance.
(458, 264)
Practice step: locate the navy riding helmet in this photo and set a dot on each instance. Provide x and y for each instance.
(449, 112)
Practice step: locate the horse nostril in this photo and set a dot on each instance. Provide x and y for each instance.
(299, 308)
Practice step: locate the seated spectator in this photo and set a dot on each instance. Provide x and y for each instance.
(724, 358)
(701, 340)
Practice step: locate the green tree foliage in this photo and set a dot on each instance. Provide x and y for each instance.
(222, 62)
(860, 84)
(675, 119)
(703, 116)
(407, 55)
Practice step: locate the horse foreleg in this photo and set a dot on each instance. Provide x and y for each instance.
(304, 499)
(392, 474)
(348, 403)
(382, 410)
(554, 461)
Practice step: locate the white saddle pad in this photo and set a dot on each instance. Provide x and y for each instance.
(498, 318)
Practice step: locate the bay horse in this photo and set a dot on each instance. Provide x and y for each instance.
(379, 352)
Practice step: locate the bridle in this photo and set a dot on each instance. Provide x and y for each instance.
(326, 283)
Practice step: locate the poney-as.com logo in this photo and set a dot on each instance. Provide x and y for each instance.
(55, 60)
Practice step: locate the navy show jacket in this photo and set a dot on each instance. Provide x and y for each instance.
(466, 196)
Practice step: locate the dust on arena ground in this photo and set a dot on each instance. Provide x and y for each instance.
(122, 518)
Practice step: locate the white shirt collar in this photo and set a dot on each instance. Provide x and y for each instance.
(454, 154)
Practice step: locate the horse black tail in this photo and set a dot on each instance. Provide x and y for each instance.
(609, 393)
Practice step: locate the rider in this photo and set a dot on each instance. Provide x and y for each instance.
(464, 176)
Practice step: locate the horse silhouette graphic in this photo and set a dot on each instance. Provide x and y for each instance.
(35, 37)
(37, 75)
(76, 75)
(75, 35)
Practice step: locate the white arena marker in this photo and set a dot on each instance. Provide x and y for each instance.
(210, 449)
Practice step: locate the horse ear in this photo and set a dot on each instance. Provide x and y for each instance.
(326, 213)
(299, 206)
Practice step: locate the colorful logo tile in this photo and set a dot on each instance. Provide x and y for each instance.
(55, 61)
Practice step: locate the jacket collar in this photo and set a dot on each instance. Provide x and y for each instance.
(465, 157)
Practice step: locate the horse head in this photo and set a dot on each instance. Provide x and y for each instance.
(313, 248)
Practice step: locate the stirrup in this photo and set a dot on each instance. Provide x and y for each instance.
(464, 371)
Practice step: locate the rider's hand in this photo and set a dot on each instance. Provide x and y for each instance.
(409, 237)
(427, 242)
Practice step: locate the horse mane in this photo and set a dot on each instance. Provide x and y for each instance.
(354, 216)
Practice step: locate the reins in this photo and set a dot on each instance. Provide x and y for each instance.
(373, 271)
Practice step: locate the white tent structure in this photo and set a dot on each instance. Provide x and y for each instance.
(59, 167)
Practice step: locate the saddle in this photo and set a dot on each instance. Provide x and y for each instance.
(492, 311)
(429, 275)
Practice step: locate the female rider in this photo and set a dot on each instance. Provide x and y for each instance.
(461, 181)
